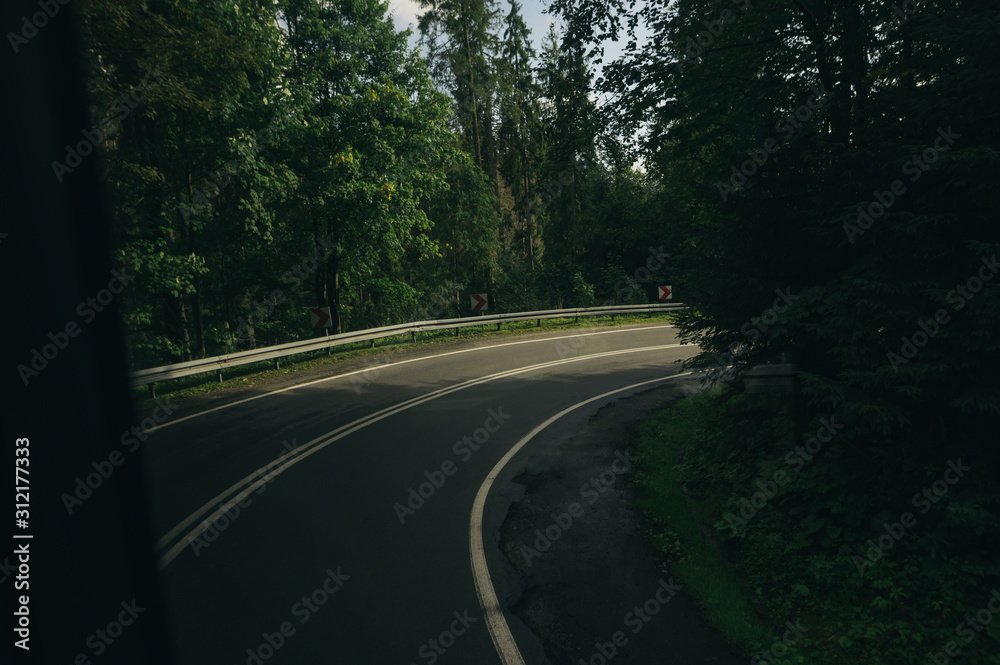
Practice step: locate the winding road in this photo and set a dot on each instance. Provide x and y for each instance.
(355, 518)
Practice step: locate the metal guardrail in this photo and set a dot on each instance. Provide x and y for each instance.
(152, 375)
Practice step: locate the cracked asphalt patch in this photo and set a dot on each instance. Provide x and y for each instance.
(584, 561)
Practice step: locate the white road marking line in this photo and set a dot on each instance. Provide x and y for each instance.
(401, 362)
(503, 640)
(256, 479)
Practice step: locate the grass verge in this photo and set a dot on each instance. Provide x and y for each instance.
(676, 532)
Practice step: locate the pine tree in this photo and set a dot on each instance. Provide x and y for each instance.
(520, 132)
(461, 42)
(571, 128)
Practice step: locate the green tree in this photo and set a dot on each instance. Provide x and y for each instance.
(169, 119)
(774, 129)
(282, 157)
(461, 42)
(368, 106)
(520, 131)
(571, 128)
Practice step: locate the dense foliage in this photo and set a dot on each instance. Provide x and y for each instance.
(833, 159)
(826, 167)
(275, 157)
(814, 178)
(879, 571)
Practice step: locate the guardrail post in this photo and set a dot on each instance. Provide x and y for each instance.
(219, 373)
(152, 391)
(498, 325)
(413, 334)
(277, 363)
(372, 344)
(456, 331)
(538, 323)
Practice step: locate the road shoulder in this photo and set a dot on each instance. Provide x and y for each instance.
(578, 568)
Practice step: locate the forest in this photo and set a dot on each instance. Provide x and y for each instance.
(815, 178)
(265, 158)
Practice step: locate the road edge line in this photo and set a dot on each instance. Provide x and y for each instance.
(500, 633)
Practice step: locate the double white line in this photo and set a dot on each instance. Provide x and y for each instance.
(190, 528)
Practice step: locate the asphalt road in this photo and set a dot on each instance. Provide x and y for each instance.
(331, 522)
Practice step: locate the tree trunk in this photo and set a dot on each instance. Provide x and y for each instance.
(335, 292)
(185, 334)
(199, 325)
(492, 157)
(528, 217)
(227, 299)
(572, 204)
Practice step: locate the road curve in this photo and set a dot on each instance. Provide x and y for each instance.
(331, 521)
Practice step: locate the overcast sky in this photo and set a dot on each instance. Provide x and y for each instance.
(405, 13)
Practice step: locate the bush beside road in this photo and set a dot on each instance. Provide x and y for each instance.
(796, 558)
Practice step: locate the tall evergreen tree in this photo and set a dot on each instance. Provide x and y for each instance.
(520, 131)
(461, 41)
(571, 128)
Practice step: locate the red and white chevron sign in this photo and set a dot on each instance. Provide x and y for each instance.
(666, 293)
(320, 317)
(479, 302)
